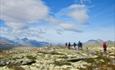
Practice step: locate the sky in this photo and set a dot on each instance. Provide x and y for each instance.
(58, 20)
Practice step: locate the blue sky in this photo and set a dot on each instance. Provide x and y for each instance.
(58, 20)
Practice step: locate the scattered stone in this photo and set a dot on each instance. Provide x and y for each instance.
(56, 59)
(2, 63)
(27, 62)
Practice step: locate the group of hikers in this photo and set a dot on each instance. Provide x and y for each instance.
(80, 45)
(69, 45)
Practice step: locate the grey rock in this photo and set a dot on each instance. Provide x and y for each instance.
(27, 62)
(2, 63)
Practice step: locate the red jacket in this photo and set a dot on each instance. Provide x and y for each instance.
(104, 45)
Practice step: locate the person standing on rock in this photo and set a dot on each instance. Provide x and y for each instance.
(104, 46)
(74, 44)
(80, 45)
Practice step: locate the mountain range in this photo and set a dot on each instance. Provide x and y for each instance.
(99, 42)
(7, 43)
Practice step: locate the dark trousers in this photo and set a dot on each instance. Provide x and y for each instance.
(105, 49)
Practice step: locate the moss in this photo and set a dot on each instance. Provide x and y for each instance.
(61, 63)
(52, 53)
(90, 60)
(31, 57)
(55, 53)
(102, 62)
(15, 67)
(105, 58)
(63, 57)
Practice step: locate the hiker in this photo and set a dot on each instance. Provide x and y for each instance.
(66, 44)
(69, 45)
(74, 44)
(104, 46)
(80, 45)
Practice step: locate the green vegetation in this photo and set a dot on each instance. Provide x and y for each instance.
(15, 67)
(63, 57)
(51, 52)
(58, 58)
(101, 62)
(61, 63)
(31, 57)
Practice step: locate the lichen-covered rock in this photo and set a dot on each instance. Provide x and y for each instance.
(4, 68)
(55, 58)
(2, 63)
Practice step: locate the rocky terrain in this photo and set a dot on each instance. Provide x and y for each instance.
(57, 58)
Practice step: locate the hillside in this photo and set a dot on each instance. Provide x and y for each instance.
(57, 58)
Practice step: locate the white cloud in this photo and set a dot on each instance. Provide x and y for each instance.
(25, 33)
(79, 13)
(70, 18)
(3, 30)
(75, 12)
(17, 13)
(66, 26)
(62, 24)
(75, 15)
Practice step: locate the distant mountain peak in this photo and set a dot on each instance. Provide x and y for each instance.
(25, 41)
